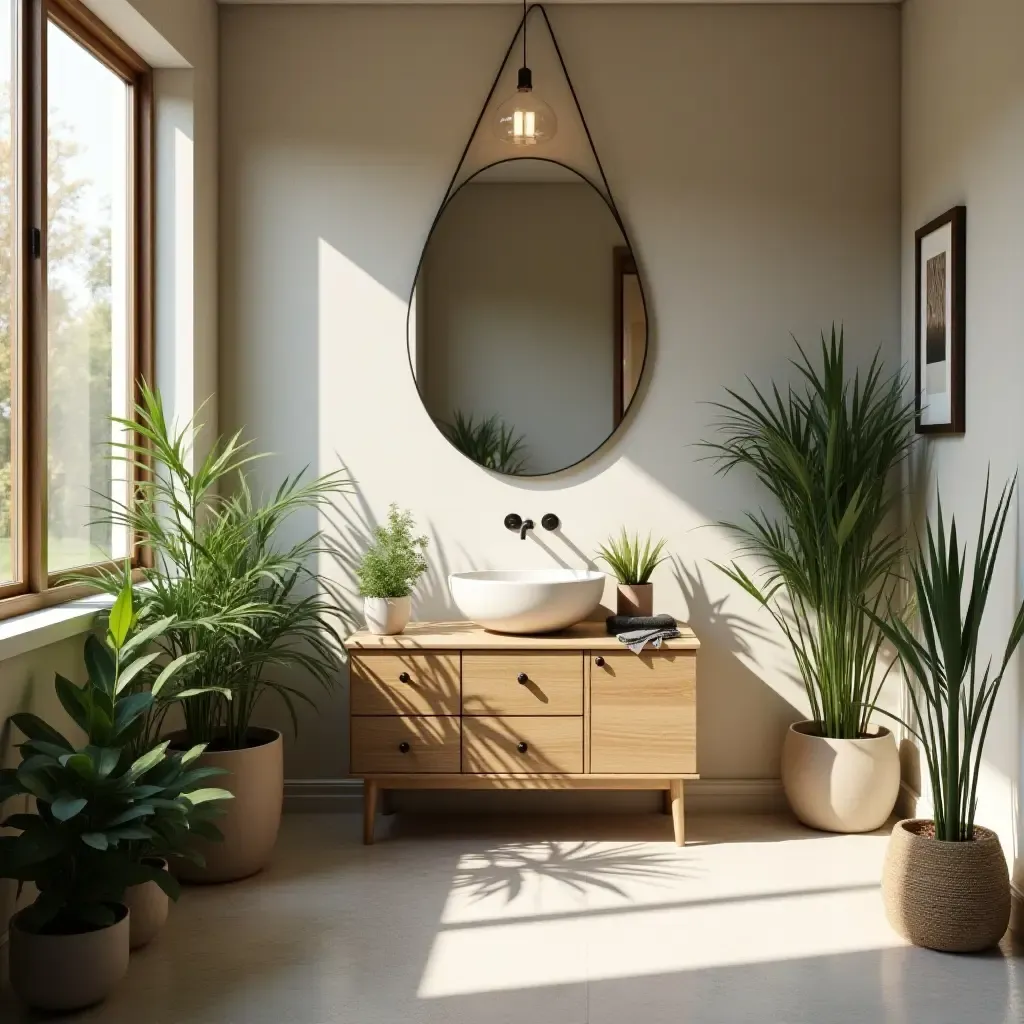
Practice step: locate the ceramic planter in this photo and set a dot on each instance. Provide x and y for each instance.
(635, 599)
(387, 616)
(840, 785)
(252, 819)
(954, 897)
(148, 906)
(68, 972)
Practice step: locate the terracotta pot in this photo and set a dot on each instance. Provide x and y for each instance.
(68, 972)
(954, 897)
(387, 616)
(251, 821)
(149, 906)
(840, 785)
(635, 599)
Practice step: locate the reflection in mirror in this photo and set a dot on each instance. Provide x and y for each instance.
(527, 325)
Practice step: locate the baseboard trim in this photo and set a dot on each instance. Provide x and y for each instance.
(703, 796)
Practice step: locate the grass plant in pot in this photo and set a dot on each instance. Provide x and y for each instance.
(633, 562)
(249, 613)
(827, 453)
(97, 805)
(389, 571)
(945, 882)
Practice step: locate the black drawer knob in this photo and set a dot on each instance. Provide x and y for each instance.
(403, 677)
(403, 747)
(522, 678)
(599, 662)
(522, 747)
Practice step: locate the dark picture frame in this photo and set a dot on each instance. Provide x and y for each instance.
(940, 323)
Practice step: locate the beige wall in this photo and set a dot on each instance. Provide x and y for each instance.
(754, 151)
(963, 142)
(518, 287)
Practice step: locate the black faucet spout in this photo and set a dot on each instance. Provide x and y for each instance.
(527, 525)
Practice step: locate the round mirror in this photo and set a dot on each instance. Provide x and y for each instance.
(527, 323)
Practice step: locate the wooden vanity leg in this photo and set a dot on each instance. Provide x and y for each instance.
(370, 791)
(678, 825)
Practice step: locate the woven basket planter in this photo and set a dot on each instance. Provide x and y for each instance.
(953, 897)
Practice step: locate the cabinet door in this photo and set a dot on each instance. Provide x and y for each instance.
(395, 683)
(393, 744)
(522, 746)
(643, 713)
(522, 683)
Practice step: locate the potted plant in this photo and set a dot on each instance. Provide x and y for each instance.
(247, 610)
(633, 566)
(388, 572)
(945, 883)
(830, 558)
(94, 805)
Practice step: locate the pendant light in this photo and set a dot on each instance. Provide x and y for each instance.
(525, 119)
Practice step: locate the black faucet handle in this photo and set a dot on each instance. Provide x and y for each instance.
(550, 521)
(513, 522)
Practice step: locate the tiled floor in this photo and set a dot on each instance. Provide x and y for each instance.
(555, 922)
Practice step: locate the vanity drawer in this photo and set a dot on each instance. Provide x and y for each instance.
(643, 713)
(405, 684)
(521, 745)
(389, 744)
(553, 683)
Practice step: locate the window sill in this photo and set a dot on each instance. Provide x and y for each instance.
(24, 633)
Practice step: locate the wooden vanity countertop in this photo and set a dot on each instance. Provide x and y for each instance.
(468, 636)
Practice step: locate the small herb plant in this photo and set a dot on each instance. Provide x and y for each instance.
(491, 443)
(100, 808)
(631, 560)
(395, 561)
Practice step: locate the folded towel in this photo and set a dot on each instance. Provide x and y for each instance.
(637, 639)
(624, 623)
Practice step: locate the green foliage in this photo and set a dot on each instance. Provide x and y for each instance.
(101, 808)
(826, 455)
(489, 443)
(631, 560)
(951, 697)
(395, 561)
(246, 608)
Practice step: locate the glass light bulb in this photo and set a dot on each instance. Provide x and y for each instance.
(524, 119)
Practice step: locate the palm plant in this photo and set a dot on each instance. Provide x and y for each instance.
(827, 455)
(631, 560)
(951, 697)
(489, 443)
(243, 604)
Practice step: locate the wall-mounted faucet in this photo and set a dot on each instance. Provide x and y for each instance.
(517, 523)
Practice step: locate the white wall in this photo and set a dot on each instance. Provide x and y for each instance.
(519, 291)
(963, 142)
(754, 152)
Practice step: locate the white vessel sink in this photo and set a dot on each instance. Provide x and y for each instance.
(527, 600)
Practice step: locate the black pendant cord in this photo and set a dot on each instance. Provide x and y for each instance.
(575, 99)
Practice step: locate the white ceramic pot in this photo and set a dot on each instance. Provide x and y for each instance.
(840, 785)
(387, 615)
(68, 972)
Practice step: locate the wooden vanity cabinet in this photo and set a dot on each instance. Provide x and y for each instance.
(451, 706)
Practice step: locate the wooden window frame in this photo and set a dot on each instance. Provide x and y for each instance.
(36, 587)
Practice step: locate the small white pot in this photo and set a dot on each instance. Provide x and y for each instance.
(840, 785)
(387, 615)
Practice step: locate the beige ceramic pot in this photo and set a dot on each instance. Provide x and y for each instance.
(840, 785)
(387, 616)
(635, 599)
(149, 906)
(68, 972)
(251, 820)
(953, 897)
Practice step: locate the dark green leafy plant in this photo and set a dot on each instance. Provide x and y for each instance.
(631, 560)
(395, 561)
(100, 810)
(951, 696)
(246, 607)
(827, 455)
(489, 443)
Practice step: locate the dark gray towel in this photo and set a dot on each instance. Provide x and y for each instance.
(617, 624)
